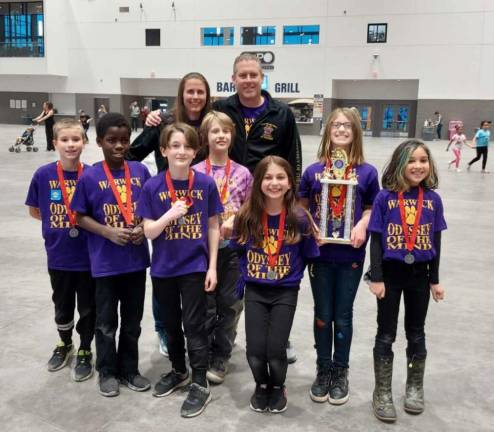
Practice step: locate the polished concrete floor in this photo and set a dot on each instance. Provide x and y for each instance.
(458, 385)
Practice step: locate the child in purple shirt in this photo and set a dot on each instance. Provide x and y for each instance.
(273, 238)
(180, 208)
(234, 183)
(105, 200)
(406, 224)
(49, 195)
(336, 274)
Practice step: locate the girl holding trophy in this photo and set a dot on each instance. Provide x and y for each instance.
(338, 190)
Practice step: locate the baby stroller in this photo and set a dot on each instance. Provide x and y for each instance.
(26, 139)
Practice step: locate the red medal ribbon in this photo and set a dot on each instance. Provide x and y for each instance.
(65, 196)
(410, 240)
(273, 258)
(224, 189)
(173, 195)
(337, 208)
(126, 211)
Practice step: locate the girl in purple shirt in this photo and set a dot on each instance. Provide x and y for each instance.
(406, 224)
(336, 274)
(273, 238)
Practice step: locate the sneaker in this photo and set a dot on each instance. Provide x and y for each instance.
(485, 172)
(277, 400)
(84, 366)
(458, 170)
(468, 167)
(338, 387)
(136, 382)
(60, 357)
(170, 382)
(291, 356)
(259, 401)
(162, 343)
(196, 401)
(320, 387)
(217, 371)
(108, 385)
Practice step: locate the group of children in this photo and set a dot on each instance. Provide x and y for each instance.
(216, 229)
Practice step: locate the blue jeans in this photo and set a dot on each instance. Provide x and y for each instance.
(334, 286)
(158, 320)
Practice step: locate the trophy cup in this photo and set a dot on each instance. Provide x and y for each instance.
(338, 183)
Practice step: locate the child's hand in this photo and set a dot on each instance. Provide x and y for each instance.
(153, 118)
(177, 210)
(437, 292)
(378, 289)
(211, 281)
(358, 235)
(119, 236)
(226, 228)
(137, 235)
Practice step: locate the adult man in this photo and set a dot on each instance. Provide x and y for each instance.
(264, 126)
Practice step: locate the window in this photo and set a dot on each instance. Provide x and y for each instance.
(124, 9)
(262, 35)
(153, 37)
(22, 29)
(377, 33)
(216, 36)
(301, 35)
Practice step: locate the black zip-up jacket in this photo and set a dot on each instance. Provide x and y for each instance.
(273, 133)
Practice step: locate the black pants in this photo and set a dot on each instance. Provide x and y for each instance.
(224, 306)
(269, 313)
(134, 122)
(67, 286)
(481, 151)
(129, 290)
(49, 136)
(182, 300)
(439, 128)
(413, 282)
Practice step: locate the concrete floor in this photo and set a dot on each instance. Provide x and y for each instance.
(459, 383)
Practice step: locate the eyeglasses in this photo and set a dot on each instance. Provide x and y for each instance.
(337, 125)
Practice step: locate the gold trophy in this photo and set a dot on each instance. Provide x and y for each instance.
(338, 184)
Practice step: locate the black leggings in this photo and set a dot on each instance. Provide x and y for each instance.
(413, 281)
(269, 313)
(481, 151)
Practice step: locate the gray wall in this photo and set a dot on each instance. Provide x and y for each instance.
(15, 116)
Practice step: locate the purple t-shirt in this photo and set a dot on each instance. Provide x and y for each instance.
(94, 197)
(367, 189)
(63, 251)
(386, 220)
(239, 187)
(291, 260)
(251, 114)
(180, 249)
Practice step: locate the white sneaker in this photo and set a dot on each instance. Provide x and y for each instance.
(291, 356)
(458, 170)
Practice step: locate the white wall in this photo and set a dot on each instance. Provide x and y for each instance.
(448, 45)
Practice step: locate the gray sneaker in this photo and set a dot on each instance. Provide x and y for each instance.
(196, 401)
(217, 371)
(170, 382)
(108, 385)
(136, 382)
(84, 366)
(60, 357)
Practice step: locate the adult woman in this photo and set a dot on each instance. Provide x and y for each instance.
(192, 104)
(47, 116)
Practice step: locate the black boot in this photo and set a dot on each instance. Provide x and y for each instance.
(382, 398)
(414, 397)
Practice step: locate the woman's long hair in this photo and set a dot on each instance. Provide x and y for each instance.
(178, 110)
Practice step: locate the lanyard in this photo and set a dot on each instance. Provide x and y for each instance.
(126, 211)
(410, 240)
(224, 188)
(65, 196)
(188, 199)
(273, 258)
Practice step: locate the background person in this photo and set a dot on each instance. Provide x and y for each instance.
(47, 116)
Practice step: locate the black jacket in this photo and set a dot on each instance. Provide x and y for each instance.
(273, 133)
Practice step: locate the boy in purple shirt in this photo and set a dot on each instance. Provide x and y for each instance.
(66, 247)
(180, 208)
(105, 200)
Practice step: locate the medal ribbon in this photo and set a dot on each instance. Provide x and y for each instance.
(224, 189)
(273, 258)
(337, 208)
(65, 196)
(410, 240)
(126, 212)
(173, 195)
